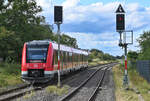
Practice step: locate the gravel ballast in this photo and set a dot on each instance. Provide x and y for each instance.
(107, 93)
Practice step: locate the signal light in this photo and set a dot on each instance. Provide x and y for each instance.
(58, 14)
(120, 22)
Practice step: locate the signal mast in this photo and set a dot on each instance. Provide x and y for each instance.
(120, 28)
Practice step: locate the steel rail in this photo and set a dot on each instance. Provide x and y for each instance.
(92, 97)
(81, 85)
(14, 89)
(18, 94)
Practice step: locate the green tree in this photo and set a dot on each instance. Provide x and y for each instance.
(95, 53)
(21, 23)
(132, 56)
(17, 13)
(20, 17)
(6, 39)
(67, 40)
(144, 43)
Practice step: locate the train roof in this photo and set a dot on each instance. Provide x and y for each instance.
(55, 46)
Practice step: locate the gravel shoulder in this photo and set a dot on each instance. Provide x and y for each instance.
(107, 93)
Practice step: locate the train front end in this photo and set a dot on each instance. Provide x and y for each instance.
(37, 62)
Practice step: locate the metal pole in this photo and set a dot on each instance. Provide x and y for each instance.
(120, 37)
(58, 32)
(125, 81)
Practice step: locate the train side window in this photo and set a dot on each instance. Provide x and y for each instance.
(61, 55)
(87, 58)
(77, 57)
(70, 56)
(56, 57)
(73, 57)
(64, 56)
(82, 57)
(53, 59)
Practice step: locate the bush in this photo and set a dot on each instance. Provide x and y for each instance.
(3, 82)
(9, 69)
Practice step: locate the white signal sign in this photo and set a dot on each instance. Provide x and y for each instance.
(120, 9)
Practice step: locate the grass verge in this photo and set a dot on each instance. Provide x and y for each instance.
(135, 81)
(58, 91)
(121, 94)
(29, 95)
(98, 62)
(9, 75)
(140, 83)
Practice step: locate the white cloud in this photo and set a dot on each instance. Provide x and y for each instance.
(98, 15)
(93, 25)
(137, 17)
(91, 13)
(45, 4)
(106, 42)
(70, 3)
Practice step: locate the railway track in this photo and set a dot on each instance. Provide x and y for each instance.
(15, 92)
(92, 97)
(22, 90)
(79, 94)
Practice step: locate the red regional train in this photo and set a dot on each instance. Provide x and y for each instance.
(40, 60)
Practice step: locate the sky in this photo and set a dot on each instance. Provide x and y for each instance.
(93, 22)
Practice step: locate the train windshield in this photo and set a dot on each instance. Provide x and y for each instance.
(37, 54)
